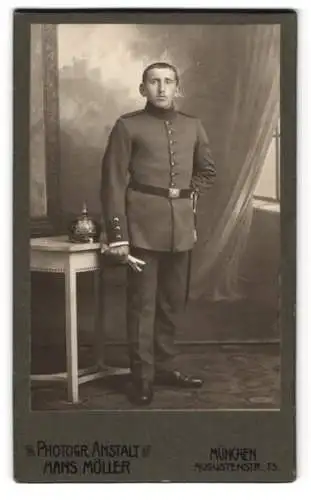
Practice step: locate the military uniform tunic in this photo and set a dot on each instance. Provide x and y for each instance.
(167, 150)
(162, 148)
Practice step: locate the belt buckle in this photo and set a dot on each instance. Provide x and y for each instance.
(174, 193)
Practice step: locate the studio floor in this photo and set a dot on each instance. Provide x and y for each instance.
(236, 376)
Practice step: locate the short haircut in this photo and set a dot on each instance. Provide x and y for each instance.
(160, 65)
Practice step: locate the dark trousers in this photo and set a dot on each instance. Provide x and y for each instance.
(155, 300)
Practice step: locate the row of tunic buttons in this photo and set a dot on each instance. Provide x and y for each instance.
(172, 153)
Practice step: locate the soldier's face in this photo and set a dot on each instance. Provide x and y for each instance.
(160, 87)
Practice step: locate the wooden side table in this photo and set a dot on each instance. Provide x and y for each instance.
(56, 254)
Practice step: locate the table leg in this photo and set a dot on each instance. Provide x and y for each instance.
(99, 331)
(71, 332)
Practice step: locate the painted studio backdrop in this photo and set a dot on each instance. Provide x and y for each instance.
(230, 79)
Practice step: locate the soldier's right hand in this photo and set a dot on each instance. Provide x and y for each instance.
(119, 253)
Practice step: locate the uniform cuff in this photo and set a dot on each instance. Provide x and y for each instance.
(117, 229)
(118, 244)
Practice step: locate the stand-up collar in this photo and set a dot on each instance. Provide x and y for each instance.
(161, 113)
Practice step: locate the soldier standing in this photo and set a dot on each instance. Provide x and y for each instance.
(156, 161)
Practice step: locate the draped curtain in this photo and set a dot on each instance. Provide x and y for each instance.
(248, 97)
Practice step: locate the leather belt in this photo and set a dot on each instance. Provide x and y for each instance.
(159, 191)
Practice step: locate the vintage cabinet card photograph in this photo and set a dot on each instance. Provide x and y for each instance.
(154, 246)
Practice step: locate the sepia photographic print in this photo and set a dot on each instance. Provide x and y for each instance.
(157, 255)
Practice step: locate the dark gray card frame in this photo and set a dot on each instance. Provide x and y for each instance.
(178, 438)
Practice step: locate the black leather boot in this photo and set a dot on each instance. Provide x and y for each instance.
(141, 393)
